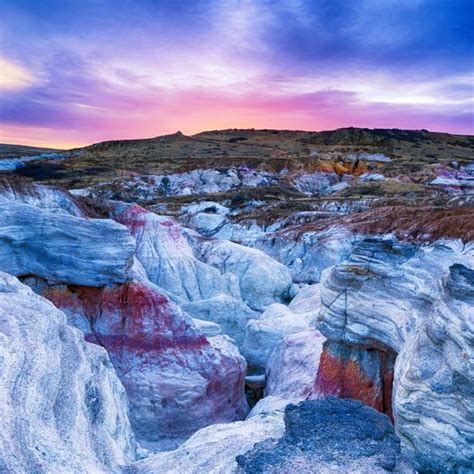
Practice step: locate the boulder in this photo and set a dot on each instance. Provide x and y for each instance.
(178, 380)
(62, 407)
(329, 435)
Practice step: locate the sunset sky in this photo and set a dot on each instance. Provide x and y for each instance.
(74, 72)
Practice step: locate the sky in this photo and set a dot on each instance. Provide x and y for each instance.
(75, 72)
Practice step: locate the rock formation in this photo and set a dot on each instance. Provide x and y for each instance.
(303, 265)
(292, 367)
(62, 407)
(262, 279)
(214, 449)
(329, 435)
(177, 379)
(393, 298)
(213, 280)
(62, 247)
(264, 335)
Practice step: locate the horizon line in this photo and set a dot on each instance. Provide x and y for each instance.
(82, 145)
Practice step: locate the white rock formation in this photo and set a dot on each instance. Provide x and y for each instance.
(268, 404)
(434, 395)
(366, 177)
(198, 181)
(417, 302)
(231, 314)
(213, 449)
(262, 279)
(293, 365)
(177, 379)
(43, 197)
(61, 247)
(62, 407)
(215, 280)
(263, 335)
(206, 217)
(308, 254)
(168, 259)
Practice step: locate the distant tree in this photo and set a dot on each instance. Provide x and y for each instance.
(165, 185)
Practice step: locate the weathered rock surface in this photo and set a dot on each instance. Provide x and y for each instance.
(213, 449)
(61, 247)
(177, 379)
(434, 396)
(293, 365)
(329, 435)
(416, 302)
(168, 259)
(262, 279)
(231, 314)
(308, 254)
(263, 335)
(215, 280)
(62, 407)
(44, 197)
(197, 181)
(356, 372)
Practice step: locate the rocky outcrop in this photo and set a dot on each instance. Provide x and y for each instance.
(168, 259)
(263, 335)
(213, 280)
(45, 197)
(262, 279)
(329, 435)
(318, 182)
(62, 247)
(293, 365)
(458, 179)
(308, 253)
(416, 302)
(62, 407)
(214, 449)
(309, 248)
(434, 394)
(198, 181)
(177, 379)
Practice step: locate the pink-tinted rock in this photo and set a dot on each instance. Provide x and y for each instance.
(292, 367)
(177, 380)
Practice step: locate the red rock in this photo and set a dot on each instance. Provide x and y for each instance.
(355, 373)
(177, 380)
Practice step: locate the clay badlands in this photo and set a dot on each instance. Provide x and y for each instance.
(239, 301)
